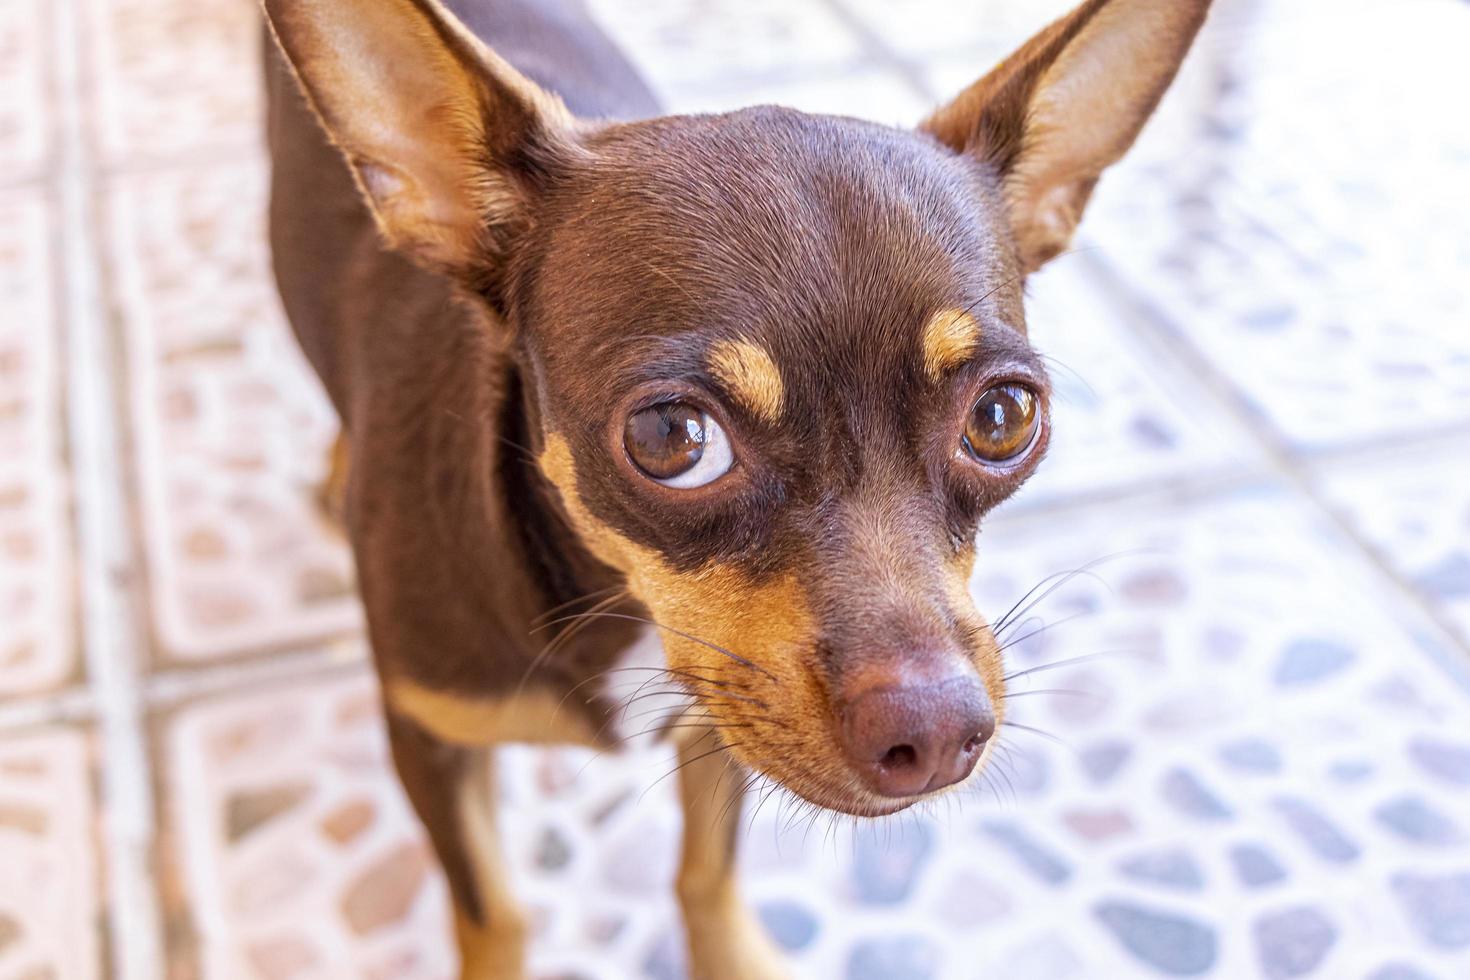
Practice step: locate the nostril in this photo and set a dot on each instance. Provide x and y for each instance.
(900, 757)
(972, 743)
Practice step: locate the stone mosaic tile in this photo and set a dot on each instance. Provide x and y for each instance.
(38, 641)
(1266, 779)
(297, 854)
(49, 909)
(24, 126)
(1123, 416)
(716, 44)
(1278, 238)
(1415, 510)
(231, 429)
(174, 76)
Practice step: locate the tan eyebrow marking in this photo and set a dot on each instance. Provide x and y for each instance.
(950, 337)
(747, 370)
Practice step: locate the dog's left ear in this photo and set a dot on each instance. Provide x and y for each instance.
(1067, 105)
(447, 141)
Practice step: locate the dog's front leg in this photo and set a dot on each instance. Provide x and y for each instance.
(725, 940)
(453, 789)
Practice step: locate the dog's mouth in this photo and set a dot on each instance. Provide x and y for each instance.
(798, 744)
(844, 792)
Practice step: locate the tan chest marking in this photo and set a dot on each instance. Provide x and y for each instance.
(460, 719)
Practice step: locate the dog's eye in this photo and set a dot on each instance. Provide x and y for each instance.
(677, 445)
(1002, 424)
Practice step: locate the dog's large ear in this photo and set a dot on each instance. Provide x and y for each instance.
(447, 141)
(1068, 104)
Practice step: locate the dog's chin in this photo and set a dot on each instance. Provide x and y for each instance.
(849, 801)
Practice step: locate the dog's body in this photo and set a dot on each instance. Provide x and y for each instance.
(813, 304)
(433, 408)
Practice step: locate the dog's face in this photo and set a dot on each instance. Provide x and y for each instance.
(779, 361)
(781, 377)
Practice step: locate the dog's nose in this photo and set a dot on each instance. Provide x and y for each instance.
(909, 735)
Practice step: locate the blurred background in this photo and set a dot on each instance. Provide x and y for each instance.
(1263, 350)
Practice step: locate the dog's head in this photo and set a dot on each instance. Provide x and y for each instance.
(778, 361)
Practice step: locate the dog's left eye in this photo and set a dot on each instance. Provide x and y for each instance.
(677, 445)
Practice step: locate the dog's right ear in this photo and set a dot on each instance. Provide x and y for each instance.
(1053, 116)
(447, 141)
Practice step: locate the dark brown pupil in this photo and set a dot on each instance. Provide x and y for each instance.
(1002, 423)
(665, 440)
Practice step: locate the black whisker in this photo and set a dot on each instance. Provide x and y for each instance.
(1064, 577)
(677, 632)
(1018, 640)
(688, 762)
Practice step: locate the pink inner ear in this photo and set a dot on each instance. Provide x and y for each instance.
(380, 182)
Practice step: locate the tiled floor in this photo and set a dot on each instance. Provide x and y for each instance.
(1264, 359)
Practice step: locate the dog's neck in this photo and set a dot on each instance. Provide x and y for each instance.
(552, 553)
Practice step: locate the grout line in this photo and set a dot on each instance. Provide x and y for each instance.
(108, 616)
(172, 688)
(1156, 328)
(67, 707)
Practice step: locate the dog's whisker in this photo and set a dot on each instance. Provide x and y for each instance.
(1018, 640)
(1066, 691)
(742, 661)
(561, 607)
(1069, 662)
(1060, 579)
(562, 639)
(722, 747)
(1037, 731)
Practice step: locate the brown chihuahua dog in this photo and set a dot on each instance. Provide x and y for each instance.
(747, 382)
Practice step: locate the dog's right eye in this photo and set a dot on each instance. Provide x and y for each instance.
(677, 445)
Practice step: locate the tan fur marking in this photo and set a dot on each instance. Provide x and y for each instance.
(496, 948)
(725, 940)
(533, 716)
(331, 496)
(950, 338)
(746, 369)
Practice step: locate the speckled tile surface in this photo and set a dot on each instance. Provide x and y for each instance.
(1123, 416)
(37, 642)
(24, 103)
(49, 909)
(174, 78)
(1279, 238)
(1414, 509)
(296, 852)
(1261, 771)
(1248, 785)
(233, 430)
